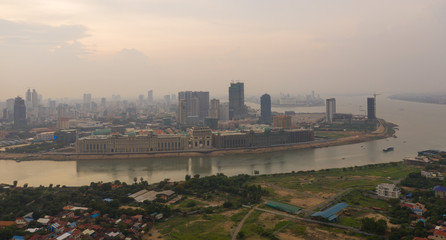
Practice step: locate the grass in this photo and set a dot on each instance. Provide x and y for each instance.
(189, 204)
(239, 216)
(195, 227)
(350, 221)
(335, 180)
(252, 226)
(297, 229)
(281, 224)
(356, 198)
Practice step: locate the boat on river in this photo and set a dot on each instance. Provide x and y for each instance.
(389, 149)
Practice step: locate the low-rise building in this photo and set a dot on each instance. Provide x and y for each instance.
(261, 139)
(282, 121)
(198, 138)
(432, 174)
(440, 191)
(388, 190)
(45, 136)
(417, 208)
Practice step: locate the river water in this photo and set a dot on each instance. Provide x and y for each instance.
(421, 126)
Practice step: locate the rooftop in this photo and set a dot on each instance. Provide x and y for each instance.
(330, 213)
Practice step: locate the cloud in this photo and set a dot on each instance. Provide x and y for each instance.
(25, 34)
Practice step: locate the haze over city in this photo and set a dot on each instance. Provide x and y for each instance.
(67, 48)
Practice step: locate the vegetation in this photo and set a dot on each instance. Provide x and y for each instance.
(338, 179)
(415, 180)
(236, 186)
(377, 227)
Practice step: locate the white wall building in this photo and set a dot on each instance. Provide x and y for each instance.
(388, 190)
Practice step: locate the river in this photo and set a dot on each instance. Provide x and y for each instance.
(421, 126)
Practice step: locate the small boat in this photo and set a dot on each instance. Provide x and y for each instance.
(389, 149)
(17, 160)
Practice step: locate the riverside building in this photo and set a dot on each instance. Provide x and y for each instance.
(330, 109)
(198, 138)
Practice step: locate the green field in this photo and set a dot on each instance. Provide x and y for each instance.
(195, 227)
(336, 180)
(355, 181)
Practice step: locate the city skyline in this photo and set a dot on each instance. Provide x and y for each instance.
(67, 48)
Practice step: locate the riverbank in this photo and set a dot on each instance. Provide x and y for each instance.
(384, 130)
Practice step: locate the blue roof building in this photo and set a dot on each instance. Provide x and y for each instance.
(440, 191)
(331, 214)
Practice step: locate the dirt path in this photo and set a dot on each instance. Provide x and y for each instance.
(334, 225)
(240, 225)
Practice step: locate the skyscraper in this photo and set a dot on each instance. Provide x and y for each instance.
(237, 108)
(265, 109)
(182, 112)
(35, 99)
(150, 96)
(197, 103)
(330, 109)
(19, 113)
(28, 95)
(214, 109)
(87, 101)
(371, 108)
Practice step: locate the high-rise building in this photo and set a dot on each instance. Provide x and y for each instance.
(214, 109)
(371, 108)
(35, 99)
(237, 109)
(19, 113)
(265, 109)
(182, 112)
(8, 112)
(223, 112)
(28, 95)
(116, 98)
(330, 109)
(103, 102)
(87, 101)
(167, 99)
(150, 96)
(197, 103)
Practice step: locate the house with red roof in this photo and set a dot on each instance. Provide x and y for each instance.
(439, 235)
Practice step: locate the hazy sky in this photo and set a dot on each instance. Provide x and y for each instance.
(65, 48)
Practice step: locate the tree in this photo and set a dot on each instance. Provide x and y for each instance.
(135, 179)
(15, 183)
(187, 177)
(370, 225)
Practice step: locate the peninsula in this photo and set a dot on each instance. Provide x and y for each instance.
(307, 139)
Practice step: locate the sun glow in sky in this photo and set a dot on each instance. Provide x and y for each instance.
(65, 48)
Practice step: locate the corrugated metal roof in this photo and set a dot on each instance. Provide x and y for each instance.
(330, 212)
(283, 206)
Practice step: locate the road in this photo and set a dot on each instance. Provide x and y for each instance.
(312, 221)
(240, 225)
